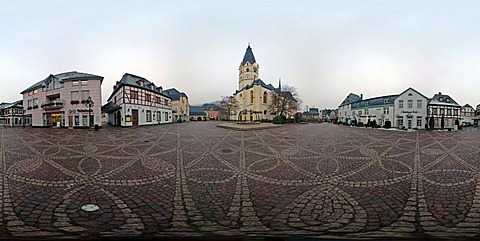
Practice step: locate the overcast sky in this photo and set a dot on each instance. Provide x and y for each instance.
(326, 49)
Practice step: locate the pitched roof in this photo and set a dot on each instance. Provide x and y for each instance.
(134, 80)
(410, 88)
(467, 106)
(196, 110)
(351, 98)
(174, 93)
(63, 77)
(248, 57)
(441, 99)
(257, 82)
(376, 101)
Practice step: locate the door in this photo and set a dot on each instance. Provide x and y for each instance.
(409, 124)
(118, 119)
(135, 117)
(70, 121)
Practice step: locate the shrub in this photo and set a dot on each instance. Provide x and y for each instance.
(279, 119)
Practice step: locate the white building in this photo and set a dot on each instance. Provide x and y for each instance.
(443, 111)
(345, 108)
(136, 101)
(467, 115)
(379, 109)
(410, 109)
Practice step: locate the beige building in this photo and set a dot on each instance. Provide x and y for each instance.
(180, 105)
(254, 97)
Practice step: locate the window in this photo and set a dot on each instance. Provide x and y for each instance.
(265, 95)
(166, 102)
(159, 116)
(449, 112)
(251, 96)
(133, 95)
(148, 97)
(455, 112)
(84, 120)
(85, 94)
(386, 110)
(35, 91)
(166, 116)
(35, 102)
(29, 103)
(75, 96)
(247, 70)
(149, 116)
(386, 100)
(400, 122)
(84, 82)
(359, 112)
(77, 120)
(410, 104)
(419, 104)
(419, 121)
(366, 112)
(442, 111)
(400, 104)
(75, 83)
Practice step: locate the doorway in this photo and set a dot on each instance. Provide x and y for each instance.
(135, 117)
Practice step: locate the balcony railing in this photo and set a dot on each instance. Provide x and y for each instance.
(54, 104)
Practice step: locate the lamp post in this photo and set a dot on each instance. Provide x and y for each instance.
(23, 118)
(89, 104)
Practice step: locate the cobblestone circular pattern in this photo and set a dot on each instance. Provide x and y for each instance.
(193, 179)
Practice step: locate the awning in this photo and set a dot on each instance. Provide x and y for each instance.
(110, 107)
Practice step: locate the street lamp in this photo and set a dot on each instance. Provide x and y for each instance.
(89, 104)
(23, 118)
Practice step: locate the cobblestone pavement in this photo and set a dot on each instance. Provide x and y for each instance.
(196, 180)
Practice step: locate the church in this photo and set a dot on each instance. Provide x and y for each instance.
(254, 98)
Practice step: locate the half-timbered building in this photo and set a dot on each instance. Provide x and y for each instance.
(136, 101)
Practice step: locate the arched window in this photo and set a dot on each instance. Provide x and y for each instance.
(265, 112)
(251, 96)
(247, 69)
(246, 76)
(265, 96)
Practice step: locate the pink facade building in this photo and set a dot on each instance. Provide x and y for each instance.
(62, 100)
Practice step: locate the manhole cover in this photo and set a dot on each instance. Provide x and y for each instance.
(90, 207)
(227, 150)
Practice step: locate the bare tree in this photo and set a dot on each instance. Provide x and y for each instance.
(285, 102)
(228, 106)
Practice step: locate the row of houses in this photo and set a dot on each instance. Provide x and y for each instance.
(74, 100)
(409, 109)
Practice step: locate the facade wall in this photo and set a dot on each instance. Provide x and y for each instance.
(244, 101)
(180, 109)
(135, 100)
(413, 116)
(450, 115)
(345, 113)
(467, 116)
(379, 113)
(69, 111)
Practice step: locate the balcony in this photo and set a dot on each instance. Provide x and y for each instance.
(53, 104)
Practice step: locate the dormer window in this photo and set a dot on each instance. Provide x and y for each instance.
(440, 99)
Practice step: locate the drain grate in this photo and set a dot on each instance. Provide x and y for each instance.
(90, 207)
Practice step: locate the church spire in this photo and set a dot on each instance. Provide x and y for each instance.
(248, 57)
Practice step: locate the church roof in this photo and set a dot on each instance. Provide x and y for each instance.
(248, 56)
(258, 82)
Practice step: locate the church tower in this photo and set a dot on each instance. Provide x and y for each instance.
(248, 70)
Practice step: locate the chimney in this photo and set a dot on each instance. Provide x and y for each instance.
(440, 93)
(361, 96)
